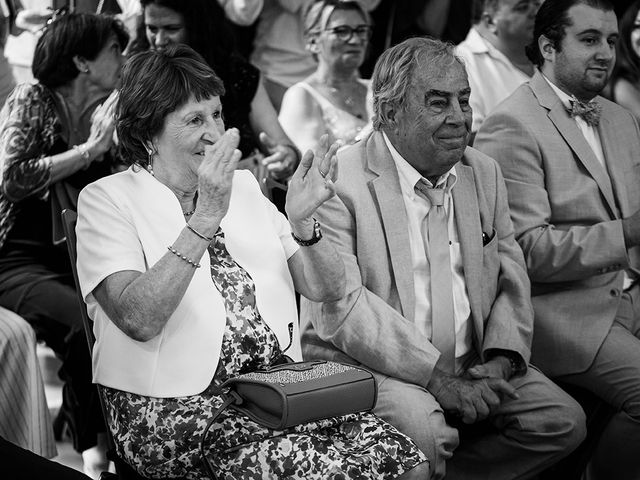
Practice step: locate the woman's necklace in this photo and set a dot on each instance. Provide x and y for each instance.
(347, 99)
(346, 96)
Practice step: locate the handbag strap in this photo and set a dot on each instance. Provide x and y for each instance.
(231, 398)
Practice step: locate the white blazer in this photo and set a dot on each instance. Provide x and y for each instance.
(125, 222)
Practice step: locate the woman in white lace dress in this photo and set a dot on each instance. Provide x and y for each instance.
(334, 99)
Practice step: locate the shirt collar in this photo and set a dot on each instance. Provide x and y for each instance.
(409, 176)
(476, 43)
(564, 98)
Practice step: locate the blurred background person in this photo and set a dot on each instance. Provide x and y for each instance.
(397, 20)
(201, 24)
(280, 48)
(7, 20)
(55, 138)
(625, 80)
(24, 415)
(32, 16)
(493, 52)
(334, 99)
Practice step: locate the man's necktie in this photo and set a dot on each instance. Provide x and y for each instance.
(443, 335)
(589, 112)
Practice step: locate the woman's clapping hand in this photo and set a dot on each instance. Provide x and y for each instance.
(215, 175)
(282, 158)
(103, 124)
(312, 184)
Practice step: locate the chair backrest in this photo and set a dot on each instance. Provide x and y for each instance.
(69, 218)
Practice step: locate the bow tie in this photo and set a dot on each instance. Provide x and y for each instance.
(590, 112)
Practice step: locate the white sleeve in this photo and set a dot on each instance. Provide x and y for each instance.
(283, 229)
(107, 241)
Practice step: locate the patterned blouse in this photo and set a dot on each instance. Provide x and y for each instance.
(31, 130)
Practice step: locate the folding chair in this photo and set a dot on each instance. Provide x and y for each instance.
(123, 470)
(275, 191)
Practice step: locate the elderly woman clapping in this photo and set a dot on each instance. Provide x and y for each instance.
(189, 273)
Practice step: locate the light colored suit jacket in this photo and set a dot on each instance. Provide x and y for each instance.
(566, 209)
(373, 323)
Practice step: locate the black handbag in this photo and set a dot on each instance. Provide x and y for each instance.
(287, 395)
(283, 396)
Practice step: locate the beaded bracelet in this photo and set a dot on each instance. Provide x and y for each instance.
(84, 154)
(179, 255)
(202, 236)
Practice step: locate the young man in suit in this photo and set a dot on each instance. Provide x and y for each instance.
(438, 302)
(572, 168)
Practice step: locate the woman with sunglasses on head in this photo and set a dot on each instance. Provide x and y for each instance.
(56, 136)
(625, 80)
(334, 99)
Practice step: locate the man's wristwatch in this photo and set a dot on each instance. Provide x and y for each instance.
(514, 361)
(317, 235)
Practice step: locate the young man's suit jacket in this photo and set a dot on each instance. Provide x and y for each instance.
(567, 210)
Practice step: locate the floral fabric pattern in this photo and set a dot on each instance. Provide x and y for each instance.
(248, 342)
(29, 128)
(160, 437)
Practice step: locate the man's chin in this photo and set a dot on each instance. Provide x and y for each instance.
(596, 82)
(595, 87)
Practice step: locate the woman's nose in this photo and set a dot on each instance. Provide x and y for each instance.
(213, 132)
(161, 39)
(356, 39)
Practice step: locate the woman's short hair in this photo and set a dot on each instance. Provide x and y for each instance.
(74, 34)
(552, 21)
(394, 71)
(154, 84)
(627, 60)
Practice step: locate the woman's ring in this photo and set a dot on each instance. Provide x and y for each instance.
(322, 174)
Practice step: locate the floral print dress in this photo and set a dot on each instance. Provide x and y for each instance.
(160, 437)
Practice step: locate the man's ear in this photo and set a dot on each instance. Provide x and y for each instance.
(547, 48)
(389, 114)
(81, 63)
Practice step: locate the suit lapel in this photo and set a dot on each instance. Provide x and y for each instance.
(386, 190)
(573, 136)
(465, 202)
